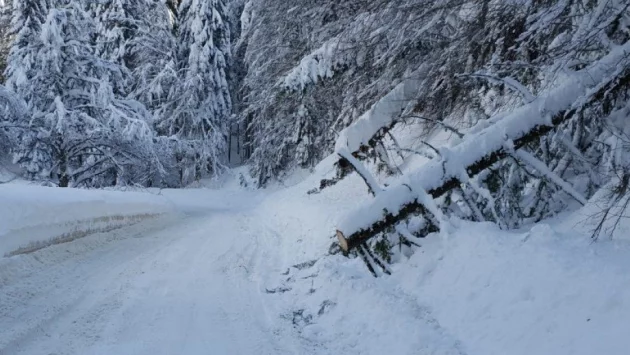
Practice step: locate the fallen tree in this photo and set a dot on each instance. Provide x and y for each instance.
(370, 129)
(480, 150)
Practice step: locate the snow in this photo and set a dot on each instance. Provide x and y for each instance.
(166, 286)
(542, 290)
(542, 168)
(32, 215)
(230, 270)
(476, 145)
(381, 114)
(221, 268)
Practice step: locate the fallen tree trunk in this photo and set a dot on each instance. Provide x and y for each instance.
(344, 167)
(415, 206)
(372, 127)
(485, 148)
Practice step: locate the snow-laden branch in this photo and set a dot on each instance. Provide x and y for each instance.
(320, 64)
(507, 81)
(373, 125)
(11, 106)
(370, 181)
(480, 150)
(547, 173)
(380, 115)
(345, 50)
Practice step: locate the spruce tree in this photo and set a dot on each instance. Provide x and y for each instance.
(199, 104)
(118, 25)
(28, 17)
(6, 10)
(80, 132)
(152, 52)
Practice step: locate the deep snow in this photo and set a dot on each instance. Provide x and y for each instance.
(228, 270)
(33, 215)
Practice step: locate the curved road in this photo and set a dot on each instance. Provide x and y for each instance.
(186, 284)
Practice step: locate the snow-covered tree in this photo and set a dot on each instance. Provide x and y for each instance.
(28, 17)
(198, 108)
(116, 25)
(121, 25)
(273, 39)
(12, 111)
(153, 57)
(81, 134)
(6, 10)
(315, 68)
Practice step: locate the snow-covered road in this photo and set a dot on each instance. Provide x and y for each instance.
(236, 271)
(186, 284)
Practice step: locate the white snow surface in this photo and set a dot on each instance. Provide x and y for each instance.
(381, 114)
(35, 214)
(229, 270)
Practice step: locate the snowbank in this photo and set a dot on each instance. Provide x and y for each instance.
(545, 291)
(32, 217)
(548, 290)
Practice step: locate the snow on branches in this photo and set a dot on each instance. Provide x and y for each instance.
(480, 150)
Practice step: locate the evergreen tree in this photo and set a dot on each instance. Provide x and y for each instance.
(81, 134)
(28, 17)
(6, 10)
(118, 28)
(313, 68)
(13, 111)
(153, 57)
(116, 25)
(198, 108)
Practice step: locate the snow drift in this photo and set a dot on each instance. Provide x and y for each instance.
(32, 217)
(546, 289)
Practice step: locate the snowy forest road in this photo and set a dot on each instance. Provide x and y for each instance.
(181, 285)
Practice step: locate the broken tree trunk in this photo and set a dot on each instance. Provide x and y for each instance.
(485, 148)
(372, 126)
(344, 167)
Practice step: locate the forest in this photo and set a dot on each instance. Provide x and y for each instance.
(531, 94)
(423, 177)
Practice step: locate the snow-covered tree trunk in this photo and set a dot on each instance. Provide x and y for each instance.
(481, 150)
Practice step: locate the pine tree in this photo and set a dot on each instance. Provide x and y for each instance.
(198, 108)
(6, 10)
(28, 17)
(81, 134)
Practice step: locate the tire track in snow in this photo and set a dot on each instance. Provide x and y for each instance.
(189, 288)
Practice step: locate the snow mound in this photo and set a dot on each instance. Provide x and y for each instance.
(545, 291)
(32, 217)
(482, 290)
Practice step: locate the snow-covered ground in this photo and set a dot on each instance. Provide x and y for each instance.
(228, 270)
(32, 216)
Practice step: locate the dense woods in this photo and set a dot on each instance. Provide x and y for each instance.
(155, 93)
(119, 92)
